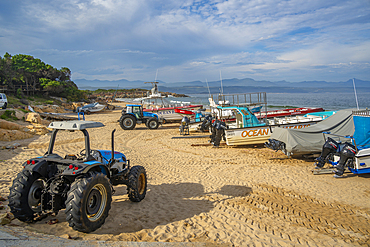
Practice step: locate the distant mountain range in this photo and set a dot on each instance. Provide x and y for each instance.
(246, 85)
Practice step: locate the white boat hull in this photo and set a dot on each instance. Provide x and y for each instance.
(169, 114)
(257, 135)
(91, 108)
(362, 162)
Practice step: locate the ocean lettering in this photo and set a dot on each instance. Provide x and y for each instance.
(255, 132)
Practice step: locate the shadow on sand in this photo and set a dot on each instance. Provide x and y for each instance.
(163, 204)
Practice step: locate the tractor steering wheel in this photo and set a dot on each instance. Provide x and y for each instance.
(83, 152)
(94, 153)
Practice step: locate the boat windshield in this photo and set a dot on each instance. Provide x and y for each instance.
(245, 112)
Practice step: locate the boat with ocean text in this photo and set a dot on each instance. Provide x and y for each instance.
(249, 129)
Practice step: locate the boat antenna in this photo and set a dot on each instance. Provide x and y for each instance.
(114, 95)
(222, 89)
(154, 90)
(354, 87)
(209, 92)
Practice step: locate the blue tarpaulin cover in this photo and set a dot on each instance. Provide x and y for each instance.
(362, 131)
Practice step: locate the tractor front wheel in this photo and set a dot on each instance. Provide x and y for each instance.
(153, 123)
(137, 184)
(88, 202)
(127, 122)
(25, 195)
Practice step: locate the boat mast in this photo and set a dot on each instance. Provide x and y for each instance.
(209, 92)
(354, 87)
(222, 89)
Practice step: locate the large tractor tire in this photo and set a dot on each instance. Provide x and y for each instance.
(88, 202)
(137, 184)
(152, 123)
(25, 195)
(127, 122)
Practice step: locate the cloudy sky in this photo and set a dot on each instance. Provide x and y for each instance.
(187, 40)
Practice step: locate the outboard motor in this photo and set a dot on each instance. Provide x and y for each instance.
(213, 130)
(184, 126)
(348, 152)
(329, 147)
(275, 145)
(206, 123)
(220, 133)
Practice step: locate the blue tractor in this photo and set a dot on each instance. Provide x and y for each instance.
(81, 183)
(134, 114)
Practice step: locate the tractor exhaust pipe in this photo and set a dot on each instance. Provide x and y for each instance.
(113, 144)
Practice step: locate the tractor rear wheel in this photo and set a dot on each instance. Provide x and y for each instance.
(152, 123)
(127, 122)
(88, 202)
(137, 184)
(25, 195)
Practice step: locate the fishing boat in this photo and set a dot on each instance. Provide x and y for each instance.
(195, 116)
(247, 127)
(288, 112)
(314, 116)
(158, 104)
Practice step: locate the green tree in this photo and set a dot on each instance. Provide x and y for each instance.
(25, 71)
(6, 72)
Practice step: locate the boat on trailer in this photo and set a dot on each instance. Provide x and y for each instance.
(248, 128)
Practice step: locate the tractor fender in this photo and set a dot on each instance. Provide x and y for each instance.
(87, 167)
(129, 114)
(40, 166)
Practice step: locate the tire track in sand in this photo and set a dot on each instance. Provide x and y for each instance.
(335, 220)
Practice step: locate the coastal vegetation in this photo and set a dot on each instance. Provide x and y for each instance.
(25, 78)
(23, 75)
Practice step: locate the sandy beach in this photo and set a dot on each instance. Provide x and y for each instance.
(244, 196)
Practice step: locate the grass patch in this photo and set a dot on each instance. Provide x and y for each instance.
(34, 100)
(9, 115)
(23, 110)
(13, 100)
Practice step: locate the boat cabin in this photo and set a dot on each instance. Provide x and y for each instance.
(243, 116)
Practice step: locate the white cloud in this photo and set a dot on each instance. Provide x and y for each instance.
(329, 53)
(253, 38)
(77, 15)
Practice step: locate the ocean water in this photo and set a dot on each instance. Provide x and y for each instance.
(328, 101)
